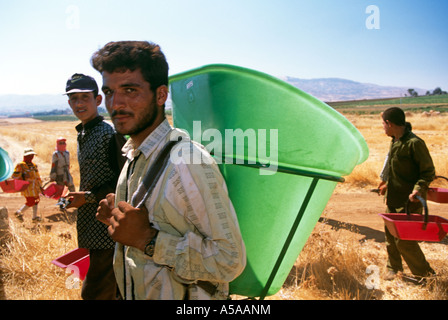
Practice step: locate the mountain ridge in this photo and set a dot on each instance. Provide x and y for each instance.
(338, 89)
(325, 89)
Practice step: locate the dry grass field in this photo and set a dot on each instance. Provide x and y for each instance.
(334, 264)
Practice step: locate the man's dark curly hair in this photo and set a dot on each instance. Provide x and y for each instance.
(395, 115)
(132, 55)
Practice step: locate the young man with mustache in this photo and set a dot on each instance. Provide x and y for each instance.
(184, 242)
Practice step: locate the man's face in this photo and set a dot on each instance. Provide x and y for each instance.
(84, 105)
(132, 104)
(387, 128)
(61, 146)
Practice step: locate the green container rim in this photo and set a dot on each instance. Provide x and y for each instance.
(6, 164)
(362, 145)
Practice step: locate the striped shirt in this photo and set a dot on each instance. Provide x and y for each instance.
(199, 236)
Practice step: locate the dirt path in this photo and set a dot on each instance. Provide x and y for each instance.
(53, 218)
(14, 149)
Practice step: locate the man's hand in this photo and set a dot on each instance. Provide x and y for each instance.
(412, 196)
(127, 225)
(77, 199)
(382, 188)
(105, 208)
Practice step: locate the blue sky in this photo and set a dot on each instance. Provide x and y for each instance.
(43, 42)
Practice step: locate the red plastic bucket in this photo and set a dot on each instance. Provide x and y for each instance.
(413, 226)
(78, 258)
(439, 195)
(13, 185)
(53, 190)
(416, 227)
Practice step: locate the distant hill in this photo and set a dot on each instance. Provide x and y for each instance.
(325, 89)
(12, 104)
(335, 89)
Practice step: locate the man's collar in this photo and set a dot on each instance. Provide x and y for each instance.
(150, 143)
(89, 124)
(405, 135)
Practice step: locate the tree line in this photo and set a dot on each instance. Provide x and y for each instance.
(435, 92)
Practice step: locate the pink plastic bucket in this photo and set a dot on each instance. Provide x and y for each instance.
(13, 185)
(78, 258)
(53, 190)
(417, 227)
(439, 195)
(413, 226)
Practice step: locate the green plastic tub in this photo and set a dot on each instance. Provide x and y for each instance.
(6, 165)
(281, 152)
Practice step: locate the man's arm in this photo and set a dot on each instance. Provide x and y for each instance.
(426, 169)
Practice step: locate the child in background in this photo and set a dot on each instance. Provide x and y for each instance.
(60, 165)
(27, 170)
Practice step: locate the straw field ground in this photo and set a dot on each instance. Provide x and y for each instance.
(344, 258)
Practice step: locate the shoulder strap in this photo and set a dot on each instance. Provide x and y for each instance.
(148, 183)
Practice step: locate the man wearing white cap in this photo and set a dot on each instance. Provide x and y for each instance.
(28, 171)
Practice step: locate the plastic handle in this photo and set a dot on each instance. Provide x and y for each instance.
(425, 208)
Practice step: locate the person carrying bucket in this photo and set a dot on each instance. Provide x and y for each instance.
(28, 171)
(410, 170)
(60, 165)
(183, 241)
